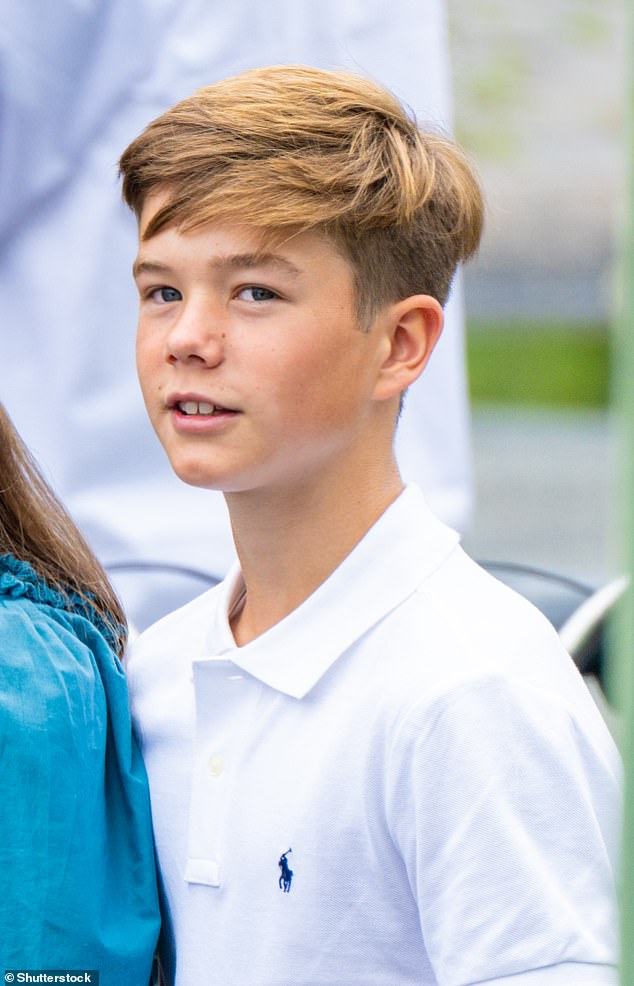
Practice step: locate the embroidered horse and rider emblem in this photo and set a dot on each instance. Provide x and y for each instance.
(286, 873)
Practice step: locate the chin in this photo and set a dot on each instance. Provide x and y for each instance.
(195, 474)
(227, 477)
(201, 476)
(203, 481)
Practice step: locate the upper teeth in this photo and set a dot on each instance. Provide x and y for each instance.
(196, 407)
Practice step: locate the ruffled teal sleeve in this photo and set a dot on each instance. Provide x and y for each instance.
(18, 580)
(77, 873)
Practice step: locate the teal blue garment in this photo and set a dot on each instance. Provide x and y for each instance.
(77, 872)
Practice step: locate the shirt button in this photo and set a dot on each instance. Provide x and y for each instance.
(215, 765)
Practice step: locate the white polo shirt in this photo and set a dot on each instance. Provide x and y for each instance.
(403, 782)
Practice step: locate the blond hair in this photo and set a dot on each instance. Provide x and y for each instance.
(290, 148)
(35, 528)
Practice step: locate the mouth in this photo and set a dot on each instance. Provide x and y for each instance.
(191, 408)
(202, 408)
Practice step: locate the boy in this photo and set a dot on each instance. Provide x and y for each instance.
(369, 761)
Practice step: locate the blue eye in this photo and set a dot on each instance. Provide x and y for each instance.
(254, 293)
(166, 295)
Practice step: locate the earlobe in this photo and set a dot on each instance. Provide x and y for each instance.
(412, 329)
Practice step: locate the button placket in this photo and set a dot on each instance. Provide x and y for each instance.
(222, 698)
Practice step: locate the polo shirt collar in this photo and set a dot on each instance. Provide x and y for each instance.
(405, 545)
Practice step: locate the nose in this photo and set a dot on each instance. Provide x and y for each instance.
(197, 335)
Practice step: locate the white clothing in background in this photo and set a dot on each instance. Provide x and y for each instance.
(80, 79)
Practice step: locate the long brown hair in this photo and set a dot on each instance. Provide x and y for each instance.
(35, 528)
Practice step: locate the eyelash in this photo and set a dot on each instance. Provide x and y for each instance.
(153, 292)
(257, 287)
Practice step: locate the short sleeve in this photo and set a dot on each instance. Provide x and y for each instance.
(506, 813)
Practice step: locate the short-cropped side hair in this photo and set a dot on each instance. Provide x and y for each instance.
(288, 149)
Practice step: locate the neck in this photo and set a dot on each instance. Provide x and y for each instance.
(290, 541)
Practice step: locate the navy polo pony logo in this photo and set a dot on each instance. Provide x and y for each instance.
(286, 874)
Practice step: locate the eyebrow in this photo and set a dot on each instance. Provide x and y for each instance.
(235, 261)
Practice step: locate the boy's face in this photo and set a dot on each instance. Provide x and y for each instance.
(252, 365)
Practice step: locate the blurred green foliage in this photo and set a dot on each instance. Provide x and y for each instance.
(544, 364)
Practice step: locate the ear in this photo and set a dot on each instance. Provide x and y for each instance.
(411, 330)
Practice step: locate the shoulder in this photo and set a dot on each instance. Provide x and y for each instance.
(462, 624)
(159, 663)
(39, 643)
(463, 643)
(183, 625)
(465, 594)
(51, 649)
(50, 680)
(29, 629)
(49, 605)
(492, 716)
(174, 639)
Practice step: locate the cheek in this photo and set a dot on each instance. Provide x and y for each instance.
(148, 368)
(323, 384)
(146, 354)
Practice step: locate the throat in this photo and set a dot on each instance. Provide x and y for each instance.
(289, 544)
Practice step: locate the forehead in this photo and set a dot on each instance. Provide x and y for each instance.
(237, 244)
